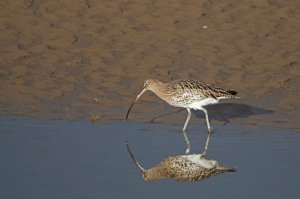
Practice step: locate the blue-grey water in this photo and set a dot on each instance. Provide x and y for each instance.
(80, 159)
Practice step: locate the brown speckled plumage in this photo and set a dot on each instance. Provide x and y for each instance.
(182, 93)
(182, 169)
(193, 167)
(189, 94)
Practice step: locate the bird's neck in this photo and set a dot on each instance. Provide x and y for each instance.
(160, 89)
(154, 173)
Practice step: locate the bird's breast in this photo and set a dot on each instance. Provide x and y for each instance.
(197, 104)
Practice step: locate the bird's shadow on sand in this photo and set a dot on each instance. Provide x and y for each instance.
(224, 112)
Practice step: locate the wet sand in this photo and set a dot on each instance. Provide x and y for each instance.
(66, 59)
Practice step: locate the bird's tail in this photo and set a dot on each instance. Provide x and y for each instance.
(227, 169)
(233, 94)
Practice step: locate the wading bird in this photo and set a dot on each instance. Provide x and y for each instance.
(189, 94)
(193, 167)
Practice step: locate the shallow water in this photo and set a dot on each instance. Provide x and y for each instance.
(79, 159)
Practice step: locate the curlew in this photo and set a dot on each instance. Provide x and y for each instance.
(193, 167)
(188, 94)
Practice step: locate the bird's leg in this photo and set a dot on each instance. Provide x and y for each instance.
(187, 119)
(187, 141)
(207, 120)
(187, 151)
(206, 144)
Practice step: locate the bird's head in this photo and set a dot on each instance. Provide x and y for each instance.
(149, 84)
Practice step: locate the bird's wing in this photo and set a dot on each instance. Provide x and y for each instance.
(196, 88)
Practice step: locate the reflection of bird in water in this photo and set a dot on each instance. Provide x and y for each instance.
(189, 94)
(192, 167)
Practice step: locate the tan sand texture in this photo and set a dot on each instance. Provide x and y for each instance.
(72, 59)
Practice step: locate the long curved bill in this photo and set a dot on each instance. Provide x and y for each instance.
(133, 102)
(136, 162)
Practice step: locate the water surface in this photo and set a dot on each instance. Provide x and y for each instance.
(80, 159)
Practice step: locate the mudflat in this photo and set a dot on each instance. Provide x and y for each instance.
(71, 59)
